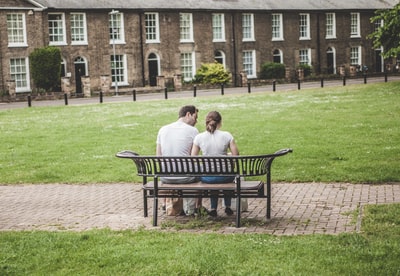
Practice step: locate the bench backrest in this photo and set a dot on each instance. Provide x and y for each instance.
(158, 166)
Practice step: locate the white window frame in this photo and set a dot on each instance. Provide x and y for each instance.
(152, 27)
(188, 65)
(355, 29)
(304, 26)
(58, 26)
(121, 78)
(248, 26)
(330, 21)
(277, 26)
(16, 29)
(355, 55)
(218, 54)
(378, 24)
(305, 56)
(118, 25)
(218, 26)
(20, 74)
(78, 33)
(280, 55)
(186, 27)
(249, 63)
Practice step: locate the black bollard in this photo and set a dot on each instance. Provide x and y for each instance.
(344, 80)
(322, 82)
(65, 98)
(166, 93)
(298, 84)
(101, 96)
(386, 77)
(274, 86)
(29, 100)
(222, 89)
(365, 78)
(248, 87)
(195, 91)
(134, 95)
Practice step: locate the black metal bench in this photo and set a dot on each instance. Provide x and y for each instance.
(240, 167)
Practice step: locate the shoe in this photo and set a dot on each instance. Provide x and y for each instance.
(228, 211)
(212, 213)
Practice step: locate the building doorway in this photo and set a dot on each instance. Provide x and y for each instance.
(378, 61)
(331, 61)
(80, 70)
(153, 69)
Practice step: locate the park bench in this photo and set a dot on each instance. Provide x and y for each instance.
(244, 168)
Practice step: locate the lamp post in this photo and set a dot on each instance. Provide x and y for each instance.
(114, 12)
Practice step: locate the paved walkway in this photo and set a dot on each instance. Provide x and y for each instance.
(296, 208)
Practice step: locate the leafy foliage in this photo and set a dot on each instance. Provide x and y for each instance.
(272, 70)
(388, 34)
(212, 73)
(45, 66)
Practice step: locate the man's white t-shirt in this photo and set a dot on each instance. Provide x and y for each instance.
(176, 139)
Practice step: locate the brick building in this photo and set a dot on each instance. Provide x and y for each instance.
(139, 43)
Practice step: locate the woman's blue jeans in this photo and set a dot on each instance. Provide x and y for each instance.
(216, 180)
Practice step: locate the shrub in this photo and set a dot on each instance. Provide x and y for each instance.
(212, 73)
(272, 70)
(45, 66)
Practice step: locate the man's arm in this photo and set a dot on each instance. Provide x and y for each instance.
(158, 150)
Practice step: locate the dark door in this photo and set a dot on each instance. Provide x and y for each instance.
(378, 61)
(79, 72)
(330, 62)
(153, 69)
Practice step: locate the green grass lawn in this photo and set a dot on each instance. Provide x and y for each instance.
(342, 134)
(376, 251)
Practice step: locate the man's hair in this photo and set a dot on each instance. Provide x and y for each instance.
(187, 108)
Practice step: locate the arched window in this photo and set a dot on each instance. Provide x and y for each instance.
(277, 56)
(63, 68)
(219, 57)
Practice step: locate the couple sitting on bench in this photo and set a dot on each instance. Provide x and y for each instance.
(181, 138)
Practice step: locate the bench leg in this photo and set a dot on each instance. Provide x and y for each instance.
(145, 213)
(155, 209)
(238, 199)
(268, 201)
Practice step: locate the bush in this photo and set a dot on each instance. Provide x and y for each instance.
(212, 73)
(45, 66)
(272, 70)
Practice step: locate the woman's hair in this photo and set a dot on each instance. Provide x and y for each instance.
(212, 120)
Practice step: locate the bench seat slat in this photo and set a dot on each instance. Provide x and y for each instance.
(244, 185)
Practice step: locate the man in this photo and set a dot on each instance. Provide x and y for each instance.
(176, 139)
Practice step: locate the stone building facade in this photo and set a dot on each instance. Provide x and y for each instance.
(126, 44)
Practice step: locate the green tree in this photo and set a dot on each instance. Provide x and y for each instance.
(388, 34)
(45, 67)
(212, 73)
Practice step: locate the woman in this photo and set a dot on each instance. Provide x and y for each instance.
(214, 142)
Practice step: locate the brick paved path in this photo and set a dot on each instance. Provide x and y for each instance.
(296, 208)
